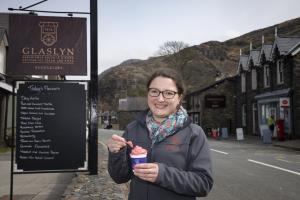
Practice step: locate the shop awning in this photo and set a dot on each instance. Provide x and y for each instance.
(273, 95)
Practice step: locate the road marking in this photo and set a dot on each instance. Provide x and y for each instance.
(273, 166)
(219, 151)
(283, 160)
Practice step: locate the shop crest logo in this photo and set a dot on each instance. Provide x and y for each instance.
(48, 33)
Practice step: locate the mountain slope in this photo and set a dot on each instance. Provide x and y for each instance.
(200, 65)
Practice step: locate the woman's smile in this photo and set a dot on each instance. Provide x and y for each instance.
(160, 106)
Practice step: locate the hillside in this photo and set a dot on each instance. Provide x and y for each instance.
(200, 65)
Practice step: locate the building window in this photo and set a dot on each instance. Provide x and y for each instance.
(191, 102)
(254, 79)
(196, 118)
(267, 76)
(243, 82)
(279, 72)
(2, 58)
(195, 102)
(244, 115)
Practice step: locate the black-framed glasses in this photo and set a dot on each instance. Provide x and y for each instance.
(168, 94)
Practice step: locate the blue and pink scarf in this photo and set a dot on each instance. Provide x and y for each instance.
(159, 131)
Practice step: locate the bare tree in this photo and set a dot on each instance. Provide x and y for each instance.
(171, 47)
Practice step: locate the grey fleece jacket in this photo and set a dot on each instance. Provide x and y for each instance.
(185, 168)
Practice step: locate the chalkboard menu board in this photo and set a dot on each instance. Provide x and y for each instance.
(51, 125)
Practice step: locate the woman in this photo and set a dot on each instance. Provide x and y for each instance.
(179, 163)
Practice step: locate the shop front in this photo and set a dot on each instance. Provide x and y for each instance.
(277, 104)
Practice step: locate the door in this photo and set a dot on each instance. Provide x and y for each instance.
(254, 119)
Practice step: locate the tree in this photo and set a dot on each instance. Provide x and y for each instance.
(171, 47)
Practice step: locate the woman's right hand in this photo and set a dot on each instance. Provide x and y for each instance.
(116, 143)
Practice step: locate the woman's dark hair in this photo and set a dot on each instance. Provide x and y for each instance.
(169, 73)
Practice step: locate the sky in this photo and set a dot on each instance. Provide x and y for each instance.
(134, 29)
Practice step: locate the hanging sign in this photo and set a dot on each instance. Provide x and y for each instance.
(40, 45)
(284, 102)
(215, 101)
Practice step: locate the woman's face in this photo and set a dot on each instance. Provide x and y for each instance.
(160, 106)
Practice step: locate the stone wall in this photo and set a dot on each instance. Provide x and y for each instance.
(216, 117)
(296, 97)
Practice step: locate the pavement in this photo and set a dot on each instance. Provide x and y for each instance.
(293, 144)
(73, 186)
(46, 186)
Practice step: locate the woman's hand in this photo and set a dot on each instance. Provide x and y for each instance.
(116, 143)
(146, 171)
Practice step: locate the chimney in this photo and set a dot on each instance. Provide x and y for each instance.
(262, 39)
(250, 46)
(275, 31)
(240, 52)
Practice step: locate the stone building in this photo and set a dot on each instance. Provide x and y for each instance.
(267, 85)
(5, 88)
(213, 106)
(129, 108)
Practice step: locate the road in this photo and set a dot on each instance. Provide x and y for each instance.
(250, 170)
(254, 171)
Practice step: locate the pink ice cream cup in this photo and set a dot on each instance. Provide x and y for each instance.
(138, 155)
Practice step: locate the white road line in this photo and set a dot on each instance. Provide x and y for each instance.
(273, 166)
(283, 160)
(219, 151)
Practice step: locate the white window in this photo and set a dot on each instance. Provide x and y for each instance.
(279, 72)
(266, 76)
(243, 82)
(2, 58)
(244, 115)
(254, 79)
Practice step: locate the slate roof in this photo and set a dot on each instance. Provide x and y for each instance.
(295, 49)
(285, 44)
(232, 78)
(275, 94)
(254, 56)
(266, 49)
(243, 63)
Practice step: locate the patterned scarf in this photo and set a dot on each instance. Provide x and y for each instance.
(158, 132)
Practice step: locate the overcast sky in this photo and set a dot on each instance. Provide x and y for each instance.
(134, 29)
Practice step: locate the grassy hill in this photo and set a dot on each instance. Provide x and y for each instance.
(200, 65)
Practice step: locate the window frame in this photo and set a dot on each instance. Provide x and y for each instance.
(243, 82)
(267, 78)
(280, 72)
(3, 54)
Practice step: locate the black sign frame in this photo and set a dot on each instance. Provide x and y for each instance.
(47, 45)
(51, 142)
(215, 101)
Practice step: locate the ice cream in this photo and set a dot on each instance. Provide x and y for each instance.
(138, 155)
(137, 150)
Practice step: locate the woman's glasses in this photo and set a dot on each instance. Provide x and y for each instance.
(168, 94)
